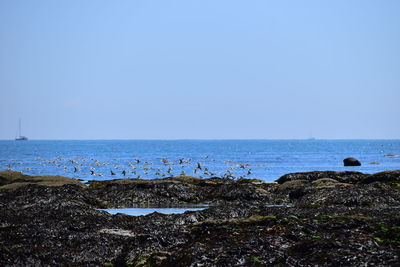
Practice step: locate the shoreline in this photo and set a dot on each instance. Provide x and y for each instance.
(159, 159)
(312, 218)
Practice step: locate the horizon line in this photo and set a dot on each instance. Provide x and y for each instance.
(206, 139)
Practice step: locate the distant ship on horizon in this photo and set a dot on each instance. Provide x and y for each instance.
(311, 136)
(19, 136)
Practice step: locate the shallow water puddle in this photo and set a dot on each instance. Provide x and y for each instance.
(171, 209)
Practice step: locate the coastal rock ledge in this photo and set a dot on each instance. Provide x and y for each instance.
(304, 219)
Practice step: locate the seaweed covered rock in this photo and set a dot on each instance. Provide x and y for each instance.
(375, 196)
(329, 183)
(386, 176)
(319, 220)
(14, 180)
(340, 176)
(129, 193)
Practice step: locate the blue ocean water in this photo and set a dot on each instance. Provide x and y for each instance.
(148, 159)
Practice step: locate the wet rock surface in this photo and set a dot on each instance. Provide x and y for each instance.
(340, 176)
(306, 219)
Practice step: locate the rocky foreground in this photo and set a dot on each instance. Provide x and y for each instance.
(305, 219)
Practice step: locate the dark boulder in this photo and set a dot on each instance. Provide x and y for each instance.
(351, 162)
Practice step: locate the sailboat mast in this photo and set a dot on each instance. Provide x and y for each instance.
(19, 131)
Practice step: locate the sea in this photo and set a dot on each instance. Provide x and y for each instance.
(266, 160)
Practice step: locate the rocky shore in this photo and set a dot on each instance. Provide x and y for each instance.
(304, 219)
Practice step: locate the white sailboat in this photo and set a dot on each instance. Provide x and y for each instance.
(311, 137)
(19, 136)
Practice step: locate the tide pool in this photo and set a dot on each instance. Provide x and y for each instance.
(143, 210)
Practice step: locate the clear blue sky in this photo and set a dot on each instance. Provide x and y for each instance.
(200, 69)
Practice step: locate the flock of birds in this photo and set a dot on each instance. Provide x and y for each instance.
(138, 168)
